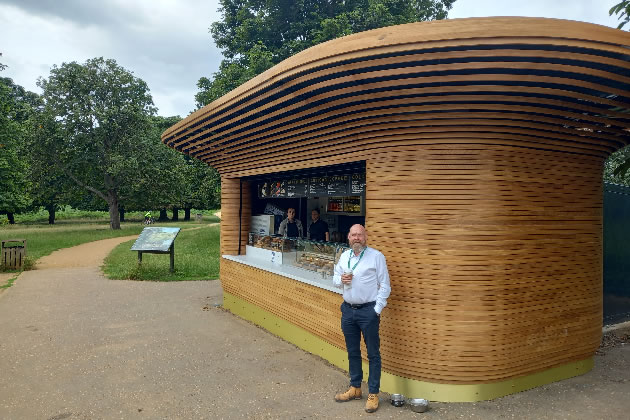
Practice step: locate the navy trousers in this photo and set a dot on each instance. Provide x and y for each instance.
(355, 322)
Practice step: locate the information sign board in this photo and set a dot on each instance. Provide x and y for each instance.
(155, 239)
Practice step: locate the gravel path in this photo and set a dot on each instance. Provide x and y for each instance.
(75, 345)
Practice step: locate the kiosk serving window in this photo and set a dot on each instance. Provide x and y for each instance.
(336, 192)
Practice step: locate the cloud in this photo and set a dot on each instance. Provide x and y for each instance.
(594, 11)
(165, 43)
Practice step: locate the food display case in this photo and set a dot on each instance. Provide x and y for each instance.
(275, 243)
(317, 256)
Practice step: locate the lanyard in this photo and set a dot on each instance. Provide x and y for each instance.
(360, 256)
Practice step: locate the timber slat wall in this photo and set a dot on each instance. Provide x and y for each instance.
(484, 153)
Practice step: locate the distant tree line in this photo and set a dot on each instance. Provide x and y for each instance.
(92, 140)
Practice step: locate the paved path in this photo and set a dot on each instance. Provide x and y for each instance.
(74, 345)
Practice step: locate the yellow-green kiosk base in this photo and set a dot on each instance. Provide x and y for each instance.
(397, 384)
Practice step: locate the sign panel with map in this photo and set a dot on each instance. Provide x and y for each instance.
(155, 239)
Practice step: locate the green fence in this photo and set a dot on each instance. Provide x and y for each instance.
(616, 253)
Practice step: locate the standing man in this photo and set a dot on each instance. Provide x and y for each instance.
(318, 229)
(362, 272)
(291, 227)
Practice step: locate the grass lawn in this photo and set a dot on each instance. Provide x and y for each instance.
(74, 228)
(196, 258)
(43, 240)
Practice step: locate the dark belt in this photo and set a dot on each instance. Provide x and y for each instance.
(360, 305)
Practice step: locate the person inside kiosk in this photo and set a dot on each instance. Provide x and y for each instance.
(318, 229)
(291, 227)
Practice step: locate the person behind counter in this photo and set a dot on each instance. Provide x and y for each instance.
(291, 227)
(318, 229)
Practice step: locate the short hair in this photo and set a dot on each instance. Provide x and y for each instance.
(315, 209)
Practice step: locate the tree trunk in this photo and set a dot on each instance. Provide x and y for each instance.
(114, 217)
(163, 215)
(122, 214)
(186, 214)
(11, 218)
(51, 214)
(175, 217)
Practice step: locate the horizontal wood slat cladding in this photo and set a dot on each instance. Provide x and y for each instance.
(444, 82)
(498, 281)
(496, 272)
(230, 208)
(484, 142)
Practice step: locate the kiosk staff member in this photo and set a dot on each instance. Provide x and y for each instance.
(291, 227)
(318, 229)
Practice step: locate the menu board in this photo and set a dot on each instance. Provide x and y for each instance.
(357, 184)
(263, 190)
(318, 186)
(337, 185)
(323, 186)
(297, 187)
(278, 188)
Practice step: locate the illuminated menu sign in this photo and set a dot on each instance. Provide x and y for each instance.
(278, 188)
(318, 186)
(297, 187)
(338, 185)
(357, 184)
(322, 186)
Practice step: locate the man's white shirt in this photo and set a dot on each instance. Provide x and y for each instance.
(370, 281)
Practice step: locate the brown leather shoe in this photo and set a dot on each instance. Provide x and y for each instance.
(351, 394)
(371, 405)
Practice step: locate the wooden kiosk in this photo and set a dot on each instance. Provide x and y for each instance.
(482, 142)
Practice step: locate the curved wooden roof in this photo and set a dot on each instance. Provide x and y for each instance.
(531, 82)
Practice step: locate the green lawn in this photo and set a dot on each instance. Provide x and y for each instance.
(43, 240)
(74, 228)
(196, 258)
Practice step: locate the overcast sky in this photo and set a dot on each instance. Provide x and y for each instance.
(167, 44)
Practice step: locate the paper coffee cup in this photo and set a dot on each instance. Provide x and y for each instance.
(345, 285)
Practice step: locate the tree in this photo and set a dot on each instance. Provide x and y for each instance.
(103, 112)
(254, 35)
(617, 168)
(50, 187)
(14, 114)
(623, 10)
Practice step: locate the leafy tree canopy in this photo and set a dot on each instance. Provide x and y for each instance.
(617, 168)
(103, 112)
(257, 34)
(623, 10)
(14, 114)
